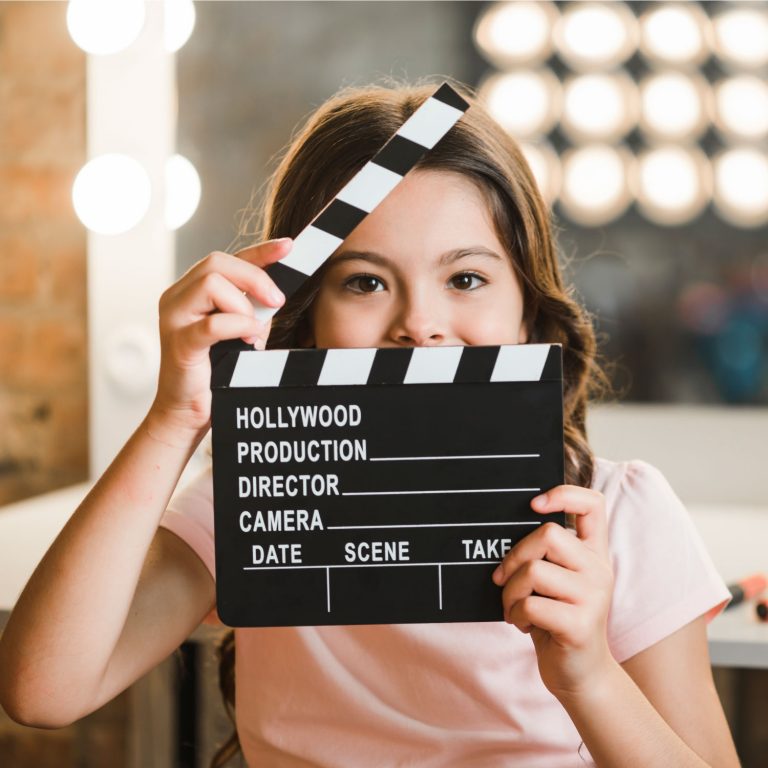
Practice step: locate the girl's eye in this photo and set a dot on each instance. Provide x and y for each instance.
(467, 281)
(364, 284)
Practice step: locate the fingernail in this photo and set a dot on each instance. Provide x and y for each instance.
(276, 296)
(540, 501)
(497, 574)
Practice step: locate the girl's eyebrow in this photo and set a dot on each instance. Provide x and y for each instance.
(447, 258)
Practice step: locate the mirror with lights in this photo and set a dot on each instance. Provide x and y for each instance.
(646, 125)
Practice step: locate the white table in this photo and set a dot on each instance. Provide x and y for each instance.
(737, 540)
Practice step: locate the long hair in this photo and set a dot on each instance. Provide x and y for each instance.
(345, 133)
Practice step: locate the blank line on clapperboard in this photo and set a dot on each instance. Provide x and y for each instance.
(415, 525)
(442, 490)
(434, 525)
(477, 456)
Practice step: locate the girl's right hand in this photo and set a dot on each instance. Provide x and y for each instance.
(205, 306)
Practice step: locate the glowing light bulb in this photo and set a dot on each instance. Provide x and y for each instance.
(595, 183)
(741, 37)
(526, 104)
(599, 107)
(675, 33)
(741, 107)
(741, 186)
(111, 194)
(672, 184)
(591, 36)
(514, 33)
(675, 106)
(179, 20)
(182, 191)
(100, 27)
(545, 167)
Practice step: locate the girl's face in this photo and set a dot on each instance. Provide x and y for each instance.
(424, 269)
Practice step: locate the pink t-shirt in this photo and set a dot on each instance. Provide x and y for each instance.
(464, 694)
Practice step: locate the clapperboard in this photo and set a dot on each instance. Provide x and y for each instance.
(365, 486)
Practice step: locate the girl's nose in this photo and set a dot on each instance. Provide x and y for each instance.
(417, 324)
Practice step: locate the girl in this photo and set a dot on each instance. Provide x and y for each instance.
(604, 640)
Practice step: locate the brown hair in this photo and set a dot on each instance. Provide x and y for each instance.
(336, 141)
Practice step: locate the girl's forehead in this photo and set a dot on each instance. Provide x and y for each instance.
(423, 180)
(439, 207)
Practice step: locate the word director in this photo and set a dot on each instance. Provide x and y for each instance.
(264, 486)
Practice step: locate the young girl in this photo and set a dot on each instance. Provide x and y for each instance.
(604, 640)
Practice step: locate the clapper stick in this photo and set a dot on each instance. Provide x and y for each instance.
(365, 191)
(360, 196)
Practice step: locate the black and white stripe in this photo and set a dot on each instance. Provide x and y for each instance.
(402, 365)
(363, 193)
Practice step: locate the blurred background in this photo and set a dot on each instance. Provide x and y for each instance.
(135, 138)
(645, 123)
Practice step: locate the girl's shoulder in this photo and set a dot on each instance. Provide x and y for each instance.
(634, 483)
(646, 518)
(664, 576)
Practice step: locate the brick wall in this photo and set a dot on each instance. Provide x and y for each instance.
(43, 375)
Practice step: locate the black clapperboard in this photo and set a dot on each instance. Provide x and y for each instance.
(367, 486)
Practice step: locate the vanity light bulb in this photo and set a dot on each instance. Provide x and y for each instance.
(675, 34)
(741, 107)
(100, 27)
(179, 20)
(596, 36)
(182, 191)
(673, 184)
(595, 183)
(675, 106)
(741, 186)
(545, 167)
(111, 194)
(599, 107)
(525, 103)
(741, 37)
(516, 33)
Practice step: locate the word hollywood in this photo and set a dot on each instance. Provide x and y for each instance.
(298, 416)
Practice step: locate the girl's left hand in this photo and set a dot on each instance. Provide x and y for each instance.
(558, 587)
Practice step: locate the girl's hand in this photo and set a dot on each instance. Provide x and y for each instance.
(207, 305)
(558, 588)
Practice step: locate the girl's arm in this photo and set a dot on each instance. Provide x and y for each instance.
(113, 595)
(659, 710)
(93, 596)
